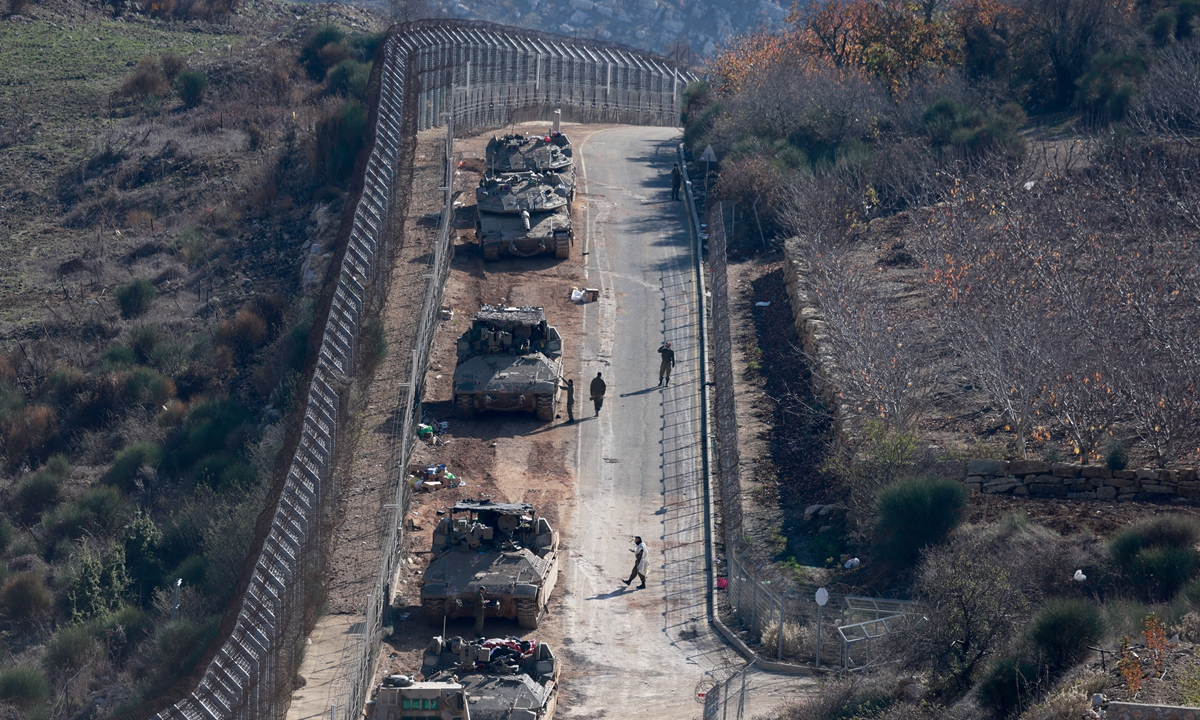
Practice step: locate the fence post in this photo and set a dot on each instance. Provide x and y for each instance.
(779, 642)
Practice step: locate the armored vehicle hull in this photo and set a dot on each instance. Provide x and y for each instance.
(510, 359)
(515, 153)
(502, 549)
(482, 680)
(523, 192)
(521, 236)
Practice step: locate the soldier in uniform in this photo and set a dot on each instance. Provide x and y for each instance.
(570, 388)
(597, 390)
(480, 609)
(676, 181)
(668, 362)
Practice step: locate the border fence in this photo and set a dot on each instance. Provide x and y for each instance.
(776, 614)
(430, 73)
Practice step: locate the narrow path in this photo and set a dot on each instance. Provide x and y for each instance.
(637, 465)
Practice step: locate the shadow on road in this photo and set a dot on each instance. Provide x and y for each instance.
(615, 593)
(641, 392)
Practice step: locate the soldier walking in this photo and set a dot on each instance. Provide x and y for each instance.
(597, 390)
(570, 388)
(668, 362)
(676, 181)
(639, 562)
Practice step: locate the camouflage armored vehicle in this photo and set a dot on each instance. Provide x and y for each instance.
(523, 214)
(482, 680)
(503, 548)
(508, 153)
(509, 359)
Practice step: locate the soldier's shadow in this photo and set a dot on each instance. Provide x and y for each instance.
(607, 596)
(641, 392)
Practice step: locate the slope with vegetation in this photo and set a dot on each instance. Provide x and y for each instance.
(172, 180)
(997, 201)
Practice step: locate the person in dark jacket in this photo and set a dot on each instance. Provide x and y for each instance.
(668, 362)
(597, 390)
(676, 181)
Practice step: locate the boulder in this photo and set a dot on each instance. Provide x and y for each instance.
(1002, 485)
(987, 466)
(1066, 470)
(1028, 467)
(1124, 474)
(1106, 493)
(1157, 489)
(1094, 471)
(1146, 474)
(1119, 482)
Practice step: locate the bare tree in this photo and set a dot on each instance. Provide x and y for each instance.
(1168, 102)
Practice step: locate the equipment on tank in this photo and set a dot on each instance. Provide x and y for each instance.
(516, 152)
(503, 549)
(524, 214)
(508, 359)
(498, 679)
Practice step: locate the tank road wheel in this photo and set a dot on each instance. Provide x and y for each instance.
(465, 404)
(491, 252)
(527, 614)
(562, 248)
(545, 407)
(435, 610)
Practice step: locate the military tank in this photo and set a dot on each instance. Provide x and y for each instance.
(516, 152)
(509, 359)
(500, 679)
(503, 548)
(524, 214)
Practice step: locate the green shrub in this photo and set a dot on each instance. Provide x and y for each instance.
(23, 686)
(99, 585)
(1115, 457)
(62, 385)
(134, 298)
(340, 136)
(1064, 629)
(7, 534)
(71, 647)
(214, 427)
(175, 648)
(193, 571)
(100, 510)
(125, 466)
(322, 50)
(191, 84)
(122, 630)
(147, 81)
(40, 491)
(172, 64)
(225, 473)
(972, 131)
(25, 598)
(11, 399)
(118, 357)
(914, 514)
(148, 387)
(1007, 684)
(143, 546)
(1157, 555)
(350, 79)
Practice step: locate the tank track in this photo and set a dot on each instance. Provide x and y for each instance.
(527, 614)
(545, 407)
(465, 405)
(435, 610)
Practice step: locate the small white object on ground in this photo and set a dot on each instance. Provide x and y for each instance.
(763, 303)
(852, 563)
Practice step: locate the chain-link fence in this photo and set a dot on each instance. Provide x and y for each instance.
(430, 73)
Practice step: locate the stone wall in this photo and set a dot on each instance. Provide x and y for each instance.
(1137, 711)
(1034, 478)
(814, 333)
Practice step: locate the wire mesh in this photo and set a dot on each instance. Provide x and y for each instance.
(425, 80)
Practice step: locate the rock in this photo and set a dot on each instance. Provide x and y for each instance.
(999, 486)
(1028, 467)
(987, 466)
(1157, 489)
(1124, 474)
(1119, 482)
(1093, 471)
(974, 487)
(812, 510)
(1146, 474)
(1021, 490)
(1088, 495)
(1066, 470)
(1187, 475)
(1106, 493)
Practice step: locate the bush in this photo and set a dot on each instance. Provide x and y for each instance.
(915, 514)
(340, 136)
(191, 85)
(23, 686)
(124, 471)
(323, 49)
(99, 510)
(176, 647)
(148, 80)
(7, 533)
(148, 387)
(134, 298)
(1007, 684)
(62, 385)
(172, 64)
(41, 490)
(71, 647)
(29, 430)
(1064, 629)
(25, 598)
(350, 79)
(1115, 457)
(1157, 555)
